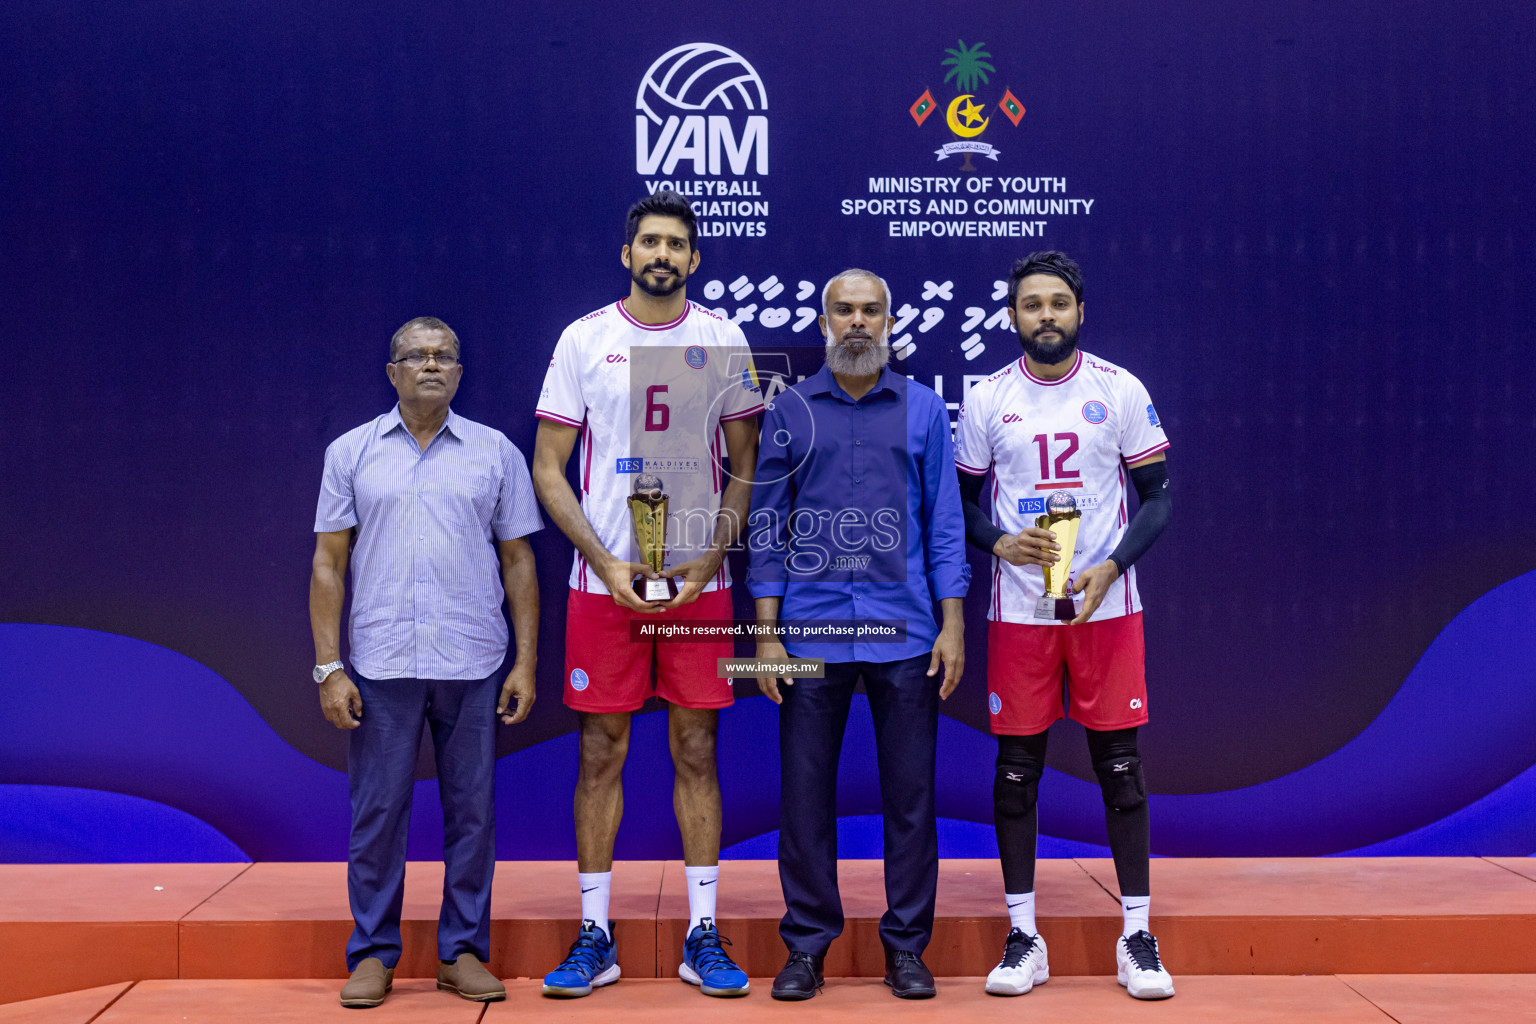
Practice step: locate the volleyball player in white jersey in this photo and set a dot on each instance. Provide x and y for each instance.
(651, 385)
(1061, 420)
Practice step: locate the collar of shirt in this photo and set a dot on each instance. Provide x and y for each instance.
(393, 419)
(823, 382)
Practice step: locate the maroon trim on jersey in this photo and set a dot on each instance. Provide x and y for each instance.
(742, 415)
(1063, 485)
(1076, 365)
(1123, 517)
(969, 469)
(997, 563)
(586, 450)
(546, 415)
(714, 461)
(652, 327)
(1141, 455)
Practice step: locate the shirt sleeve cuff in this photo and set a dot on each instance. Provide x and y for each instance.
(949, 581)
(765, 588)
(335, 525)
(514, 529)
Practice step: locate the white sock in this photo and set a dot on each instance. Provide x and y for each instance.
(1021, 911)
(1135, 910)
(595, 886)
(703, 882)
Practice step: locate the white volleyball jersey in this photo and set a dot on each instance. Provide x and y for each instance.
(1076, 434)
(649, 399)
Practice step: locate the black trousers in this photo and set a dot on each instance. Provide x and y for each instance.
(905, 704)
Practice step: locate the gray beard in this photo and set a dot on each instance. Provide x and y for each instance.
(865, 364)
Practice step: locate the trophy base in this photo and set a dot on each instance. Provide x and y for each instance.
(655, 591)
(1062, 609)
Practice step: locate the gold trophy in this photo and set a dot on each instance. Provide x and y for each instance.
(1062, 518)
(648, 509)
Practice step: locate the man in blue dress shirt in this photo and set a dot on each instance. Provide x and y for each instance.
(856, 517)
(431, 510)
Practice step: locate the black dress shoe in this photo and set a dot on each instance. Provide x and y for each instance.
(801, 977)
(908, 976)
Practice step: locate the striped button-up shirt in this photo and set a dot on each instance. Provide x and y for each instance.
(426, 580)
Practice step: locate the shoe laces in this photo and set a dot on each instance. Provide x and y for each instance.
(902, 955)
(1142, 948)
(586, 952)
(797, 956)
(705, 951)
(1017, 947)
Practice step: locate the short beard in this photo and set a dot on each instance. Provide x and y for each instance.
(1052, 353)
(864, 364)
(677, 280)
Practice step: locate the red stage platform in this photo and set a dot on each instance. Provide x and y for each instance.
(99, 927)
(1201, 999)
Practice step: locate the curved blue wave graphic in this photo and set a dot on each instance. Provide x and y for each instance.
(1448, 767)
(60, 825)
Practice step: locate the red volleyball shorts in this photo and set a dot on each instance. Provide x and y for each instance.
(1105, 665)
(606, 671)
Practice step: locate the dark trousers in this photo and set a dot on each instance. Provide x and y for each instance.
(905, 705)
(380, 766)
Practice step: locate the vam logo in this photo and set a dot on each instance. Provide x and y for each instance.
(695, 98)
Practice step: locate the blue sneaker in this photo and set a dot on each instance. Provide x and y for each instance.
(590, 964)
(706, 965)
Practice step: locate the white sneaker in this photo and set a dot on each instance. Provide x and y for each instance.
(1022, 968)
(1139, 969)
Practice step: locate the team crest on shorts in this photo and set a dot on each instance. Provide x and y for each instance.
(1135, 703)
(995, 703)
(696, 357)
(579, 680)
(1094, 412)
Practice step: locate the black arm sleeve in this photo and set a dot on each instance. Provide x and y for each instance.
(979, 530)
(1156, 508)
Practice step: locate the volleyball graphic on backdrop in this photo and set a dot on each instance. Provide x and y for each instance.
(698, 76)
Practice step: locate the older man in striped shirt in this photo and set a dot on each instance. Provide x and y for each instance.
(431, 510)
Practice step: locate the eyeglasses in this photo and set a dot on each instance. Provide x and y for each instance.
(416, 360)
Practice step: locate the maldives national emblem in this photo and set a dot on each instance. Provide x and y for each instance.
(964, 116)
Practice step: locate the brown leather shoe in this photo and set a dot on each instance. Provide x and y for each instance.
(369, 984)
(468, 977)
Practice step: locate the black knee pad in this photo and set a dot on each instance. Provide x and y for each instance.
(1120, 778)
(1017, 786)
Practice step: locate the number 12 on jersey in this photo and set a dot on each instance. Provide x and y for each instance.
(1062, 472)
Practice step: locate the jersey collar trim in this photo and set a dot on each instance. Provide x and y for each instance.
(652, 327)
(1077, 364)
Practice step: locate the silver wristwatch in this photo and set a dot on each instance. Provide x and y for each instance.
(322, 672)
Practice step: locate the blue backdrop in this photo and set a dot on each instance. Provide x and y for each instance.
(1307, 227)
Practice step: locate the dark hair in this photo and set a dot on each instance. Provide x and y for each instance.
(665, 203)
(422, 323)
(1048, 261)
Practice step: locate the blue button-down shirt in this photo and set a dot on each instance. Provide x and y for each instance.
(856, 512)
(426, 579)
